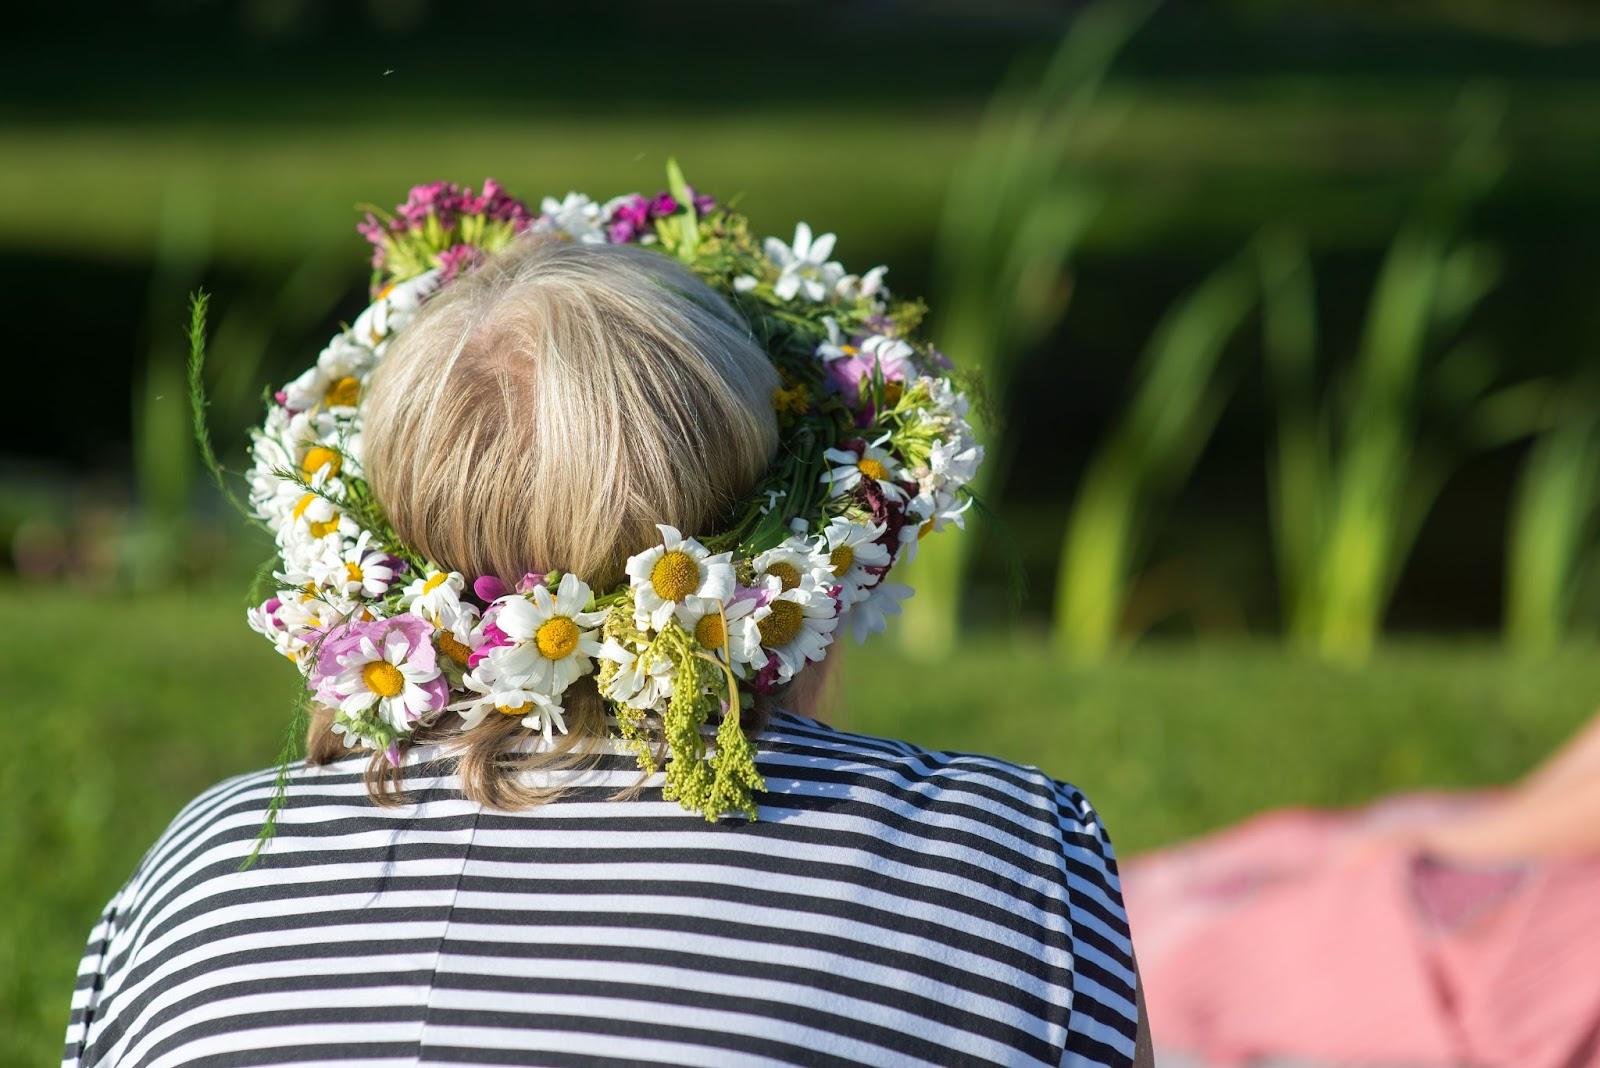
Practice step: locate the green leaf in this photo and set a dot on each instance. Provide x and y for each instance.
(690, 241)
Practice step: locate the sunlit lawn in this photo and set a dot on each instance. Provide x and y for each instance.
(119, 710)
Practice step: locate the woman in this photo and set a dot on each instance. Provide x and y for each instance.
(548, 857)
(1427, 930)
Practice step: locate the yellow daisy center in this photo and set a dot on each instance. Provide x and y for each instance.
(457, 651)
(343, 393)
(435, 581)
(675, 576)
(317, 457)
(782, 625)
(873, 469)
(514, 710)
(353, 571)
(786, 573)
(318, 529)
(383, 678)
(556, 637)
(710, 632)
(842, 559)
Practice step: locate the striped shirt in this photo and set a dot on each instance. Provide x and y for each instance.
(892, 905)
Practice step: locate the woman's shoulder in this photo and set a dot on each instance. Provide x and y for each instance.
(793, 740)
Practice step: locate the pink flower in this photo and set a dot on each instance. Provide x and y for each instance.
(874, 357)
(342, 644)
(457, 258)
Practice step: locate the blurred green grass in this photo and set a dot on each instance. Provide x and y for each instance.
(1187, 161)
(125, 708)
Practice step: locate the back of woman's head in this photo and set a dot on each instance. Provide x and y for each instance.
(545, 412)
(548, 409)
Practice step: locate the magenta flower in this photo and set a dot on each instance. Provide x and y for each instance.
(630, 218)
(493, 638)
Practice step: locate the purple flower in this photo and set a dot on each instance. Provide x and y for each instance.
(662, 205)
(885, 509)
(528, 581)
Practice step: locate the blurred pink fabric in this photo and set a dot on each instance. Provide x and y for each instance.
(1304, 935)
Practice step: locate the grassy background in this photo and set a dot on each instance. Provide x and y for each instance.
(127, 707)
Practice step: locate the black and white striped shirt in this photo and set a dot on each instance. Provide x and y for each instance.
(892, 905)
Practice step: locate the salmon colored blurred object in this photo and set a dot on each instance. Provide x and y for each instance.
(1324, 938)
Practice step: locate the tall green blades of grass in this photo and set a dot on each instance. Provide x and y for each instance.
(1180, 389)
(1354, 471)
(1015, 212)
(1551, 549)
(163, 463)
(1297, 468)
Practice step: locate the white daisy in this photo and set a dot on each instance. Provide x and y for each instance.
(492, 692)
(308, 613)
(553, 637)
(731, 627)
(312, 515)
(393, 309)
(549, 719)
(804, 267)
(870, 615)
(345, 356)
(666, 575)
(866, 286)
(836, 345)
(797, 628)
(919, 513)
(873, 461)
(576, 216)
(640, 681)
(852, 548)
(434, 596)
(263, 619)
(364, 572)
(457, 632)
(306, 391)
(389, 676)
(956, 460)
(796, 563)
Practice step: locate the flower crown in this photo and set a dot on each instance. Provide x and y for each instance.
(875, 452)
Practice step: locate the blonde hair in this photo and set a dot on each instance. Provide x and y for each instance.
(545, 412)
